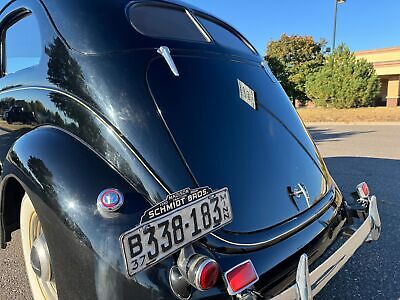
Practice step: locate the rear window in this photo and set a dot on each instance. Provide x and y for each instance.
(164, 22)
(223, 36)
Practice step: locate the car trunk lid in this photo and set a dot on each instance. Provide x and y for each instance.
(229, 141)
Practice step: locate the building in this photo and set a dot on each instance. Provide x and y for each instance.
(387, 65)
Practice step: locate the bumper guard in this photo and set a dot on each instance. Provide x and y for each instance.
(309, 284)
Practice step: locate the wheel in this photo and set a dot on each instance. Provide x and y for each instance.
(36, 253)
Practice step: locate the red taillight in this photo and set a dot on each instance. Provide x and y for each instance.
(241, 277)
(199, 270)
(363, 190)
(192, 270)
(208, 275)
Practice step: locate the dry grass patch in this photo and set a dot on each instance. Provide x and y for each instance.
(12, 127)
(364, 114)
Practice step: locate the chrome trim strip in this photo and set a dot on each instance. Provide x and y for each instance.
(294, 229)
(174, 141)
(111, 128)
(170, 133)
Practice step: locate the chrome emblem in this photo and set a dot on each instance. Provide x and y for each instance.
(110, 200)
(247, 94)
(299, 190)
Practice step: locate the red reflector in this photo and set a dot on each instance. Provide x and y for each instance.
(241, 277)
(209, 275)
(363, 190)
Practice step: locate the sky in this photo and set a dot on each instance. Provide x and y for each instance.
(361, 24)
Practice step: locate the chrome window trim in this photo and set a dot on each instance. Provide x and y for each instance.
(171, 6)
(198, 25)
(227, 27)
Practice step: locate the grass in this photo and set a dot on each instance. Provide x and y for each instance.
(12, 127)
(364, 114)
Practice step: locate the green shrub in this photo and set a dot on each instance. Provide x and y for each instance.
(344, 81)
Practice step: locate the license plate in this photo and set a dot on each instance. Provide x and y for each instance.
(159, 237)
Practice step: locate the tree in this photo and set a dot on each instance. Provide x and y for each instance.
(292, 59)
(344, 81)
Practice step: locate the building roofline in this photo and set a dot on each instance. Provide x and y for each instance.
(391, 63)
(380, 50)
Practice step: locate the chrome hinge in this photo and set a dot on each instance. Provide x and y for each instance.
(164, 51)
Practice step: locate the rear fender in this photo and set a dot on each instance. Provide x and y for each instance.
(63, 177)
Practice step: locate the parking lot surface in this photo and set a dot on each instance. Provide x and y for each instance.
(371, 153)
(353, 154)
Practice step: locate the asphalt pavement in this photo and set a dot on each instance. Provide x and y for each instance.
(353, 153)
(372, 154)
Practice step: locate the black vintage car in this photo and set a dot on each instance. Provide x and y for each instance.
(166, 161)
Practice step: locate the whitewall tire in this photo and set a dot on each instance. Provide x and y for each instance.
(31, 233)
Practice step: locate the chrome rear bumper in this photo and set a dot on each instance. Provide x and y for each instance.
(309, 284)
